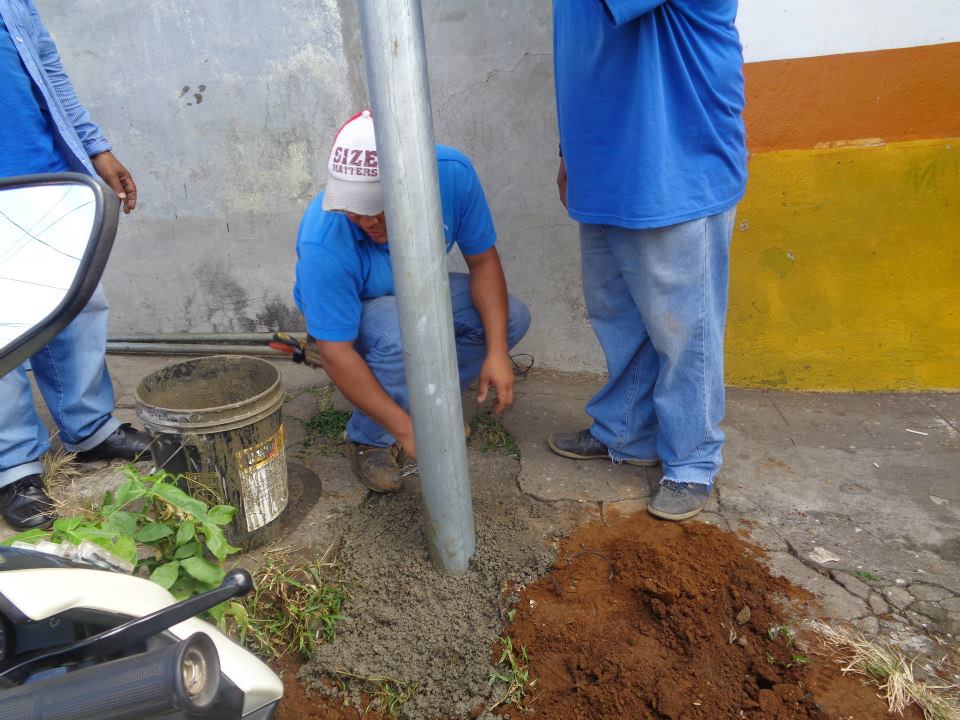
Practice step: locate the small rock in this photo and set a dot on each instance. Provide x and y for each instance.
(742, 642)
(852, 584)
(931, 610)
(922, 591)
(743, 617)
(869, 625)
(939, 500)
(822, 555)
(901, 582)
(877, 605)
(951, 625)
(898, 597)
(951, 604)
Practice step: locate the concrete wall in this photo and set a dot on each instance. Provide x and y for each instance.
(845, 269)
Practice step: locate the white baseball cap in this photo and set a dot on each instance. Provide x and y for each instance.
(353, 171)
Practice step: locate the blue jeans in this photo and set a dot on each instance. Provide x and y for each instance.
(379, 345)
(73, 379)
(657, 300)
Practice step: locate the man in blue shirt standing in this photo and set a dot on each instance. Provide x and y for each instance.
(345, 290)
(653, 164)
(46, 130)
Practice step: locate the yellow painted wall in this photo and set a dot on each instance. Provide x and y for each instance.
(846, 270)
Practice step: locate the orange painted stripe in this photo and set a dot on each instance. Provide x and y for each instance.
(870, 97)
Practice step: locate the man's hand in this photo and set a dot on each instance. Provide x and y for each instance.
(562, 182)
(407, 443)
(497, 371)
(117, 177)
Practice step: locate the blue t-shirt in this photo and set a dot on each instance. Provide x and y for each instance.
(27, 136)
(339, 266)
(649, 103)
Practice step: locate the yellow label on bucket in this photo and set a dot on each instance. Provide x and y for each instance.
(263, 480)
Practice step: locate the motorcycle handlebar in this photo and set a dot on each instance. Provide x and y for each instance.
(183, 677)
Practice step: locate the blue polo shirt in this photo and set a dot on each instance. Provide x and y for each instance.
(649, 103)
(27, 134)
(339, 266)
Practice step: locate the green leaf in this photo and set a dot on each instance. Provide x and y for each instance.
(186, 532)
(153, 531)
(221, 514)
(121, 522)
(216, 613)
(166, 575)
(32, 536)
(65, 525)
(129, 491)
(184, 587)
(203, 570)
(179, 499)
(189, 550)
(126, 548)
(217, 542)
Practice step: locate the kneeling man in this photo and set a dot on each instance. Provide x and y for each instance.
(345, 290)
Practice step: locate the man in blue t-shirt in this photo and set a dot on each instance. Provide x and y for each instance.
(345, 290)
(653, 164)
(45, 129)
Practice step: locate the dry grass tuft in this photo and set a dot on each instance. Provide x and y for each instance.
(60, 477)
(893, 674)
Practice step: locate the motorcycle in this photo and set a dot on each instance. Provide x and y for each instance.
(79, 638)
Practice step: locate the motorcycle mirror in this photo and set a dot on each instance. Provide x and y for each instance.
(56, 232)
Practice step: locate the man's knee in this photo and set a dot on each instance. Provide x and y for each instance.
(518, 320)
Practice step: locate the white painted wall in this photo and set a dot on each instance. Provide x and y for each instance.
(783, 29)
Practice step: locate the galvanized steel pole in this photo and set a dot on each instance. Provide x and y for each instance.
(396, 63)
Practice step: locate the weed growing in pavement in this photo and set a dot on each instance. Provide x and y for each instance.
(488, 433)
(515, 675)
(893, 674)
(183, 535)
(866, 575)
(325, 428)
(292, 607)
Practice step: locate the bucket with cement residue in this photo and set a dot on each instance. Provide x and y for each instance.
(218, 424)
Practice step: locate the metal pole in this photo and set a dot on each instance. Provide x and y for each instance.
(399, 91)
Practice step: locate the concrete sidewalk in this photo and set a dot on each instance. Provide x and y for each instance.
(855, 496)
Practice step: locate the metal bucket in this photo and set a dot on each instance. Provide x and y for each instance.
(218, 424)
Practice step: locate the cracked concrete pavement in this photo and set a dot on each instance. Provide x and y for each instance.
(854, 496)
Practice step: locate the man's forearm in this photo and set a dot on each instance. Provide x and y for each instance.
(488, 289)
(353, 377)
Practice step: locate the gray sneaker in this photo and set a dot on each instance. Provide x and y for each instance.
(582, 445)
(678, 501)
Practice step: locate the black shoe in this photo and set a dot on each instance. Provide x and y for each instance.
(582, 445)
(25, 505)
(124, 443)
(678, 501)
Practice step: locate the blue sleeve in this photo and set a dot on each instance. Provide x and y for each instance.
(328, 285)
(89, 132)
(475, 231)
(623, 11)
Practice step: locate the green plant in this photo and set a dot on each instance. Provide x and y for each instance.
(388, 694)
(515, 674)
(784, 632)
(292, 607)
(866, 575)
(178, 533)
(324, 430)
(488, 433)
(393, 694)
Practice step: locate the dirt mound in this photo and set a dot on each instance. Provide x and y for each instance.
(643, 619)
(416, 629)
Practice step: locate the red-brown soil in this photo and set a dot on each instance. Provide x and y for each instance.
(638, 619)
(301, 703)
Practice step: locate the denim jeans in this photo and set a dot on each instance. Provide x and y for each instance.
(73, 379)
(379, 345)
(657, 300)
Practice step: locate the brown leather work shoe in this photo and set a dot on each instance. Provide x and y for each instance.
(378, 468)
